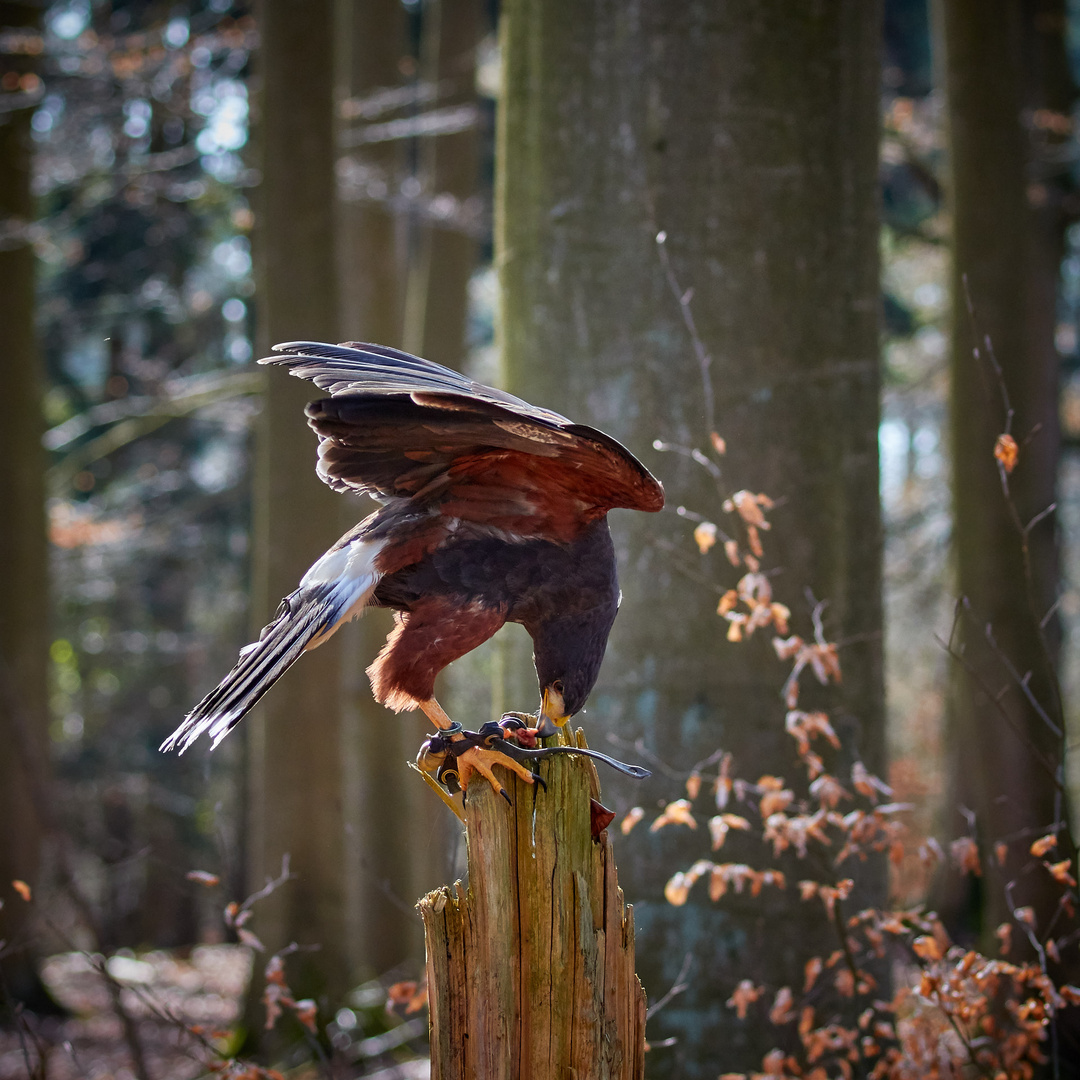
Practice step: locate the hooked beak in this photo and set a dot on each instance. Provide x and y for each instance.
(553, 713)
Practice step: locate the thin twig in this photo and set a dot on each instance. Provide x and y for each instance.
(1049, 768)
(272, 885)
(679, 986)
(683, 298)
(1023, 682)
(131, 1033)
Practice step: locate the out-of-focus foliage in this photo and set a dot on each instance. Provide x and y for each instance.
(140, 125)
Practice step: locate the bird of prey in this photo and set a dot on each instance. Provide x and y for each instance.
(492, 511)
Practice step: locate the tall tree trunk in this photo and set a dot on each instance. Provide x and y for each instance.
(1004, 62)
(296, 773)
(24, 612)
(444, 255)
(748, 133)
(386, 869)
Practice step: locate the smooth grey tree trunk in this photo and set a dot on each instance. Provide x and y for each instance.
(24, 610)
(748, 132)
(387, 866)
(295, 738)
(1003, 61)
(444, 255)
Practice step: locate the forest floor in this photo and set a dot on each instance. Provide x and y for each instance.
(202, 987)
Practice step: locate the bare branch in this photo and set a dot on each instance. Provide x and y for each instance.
(679, 986)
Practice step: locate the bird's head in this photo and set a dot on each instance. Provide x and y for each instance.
(567, 652)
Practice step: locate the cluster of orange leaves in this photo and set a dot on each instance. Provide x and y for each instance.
(957, 1008)
(277, 997)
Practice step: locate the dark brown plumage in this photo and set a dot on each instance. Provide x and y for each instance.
(493, 511)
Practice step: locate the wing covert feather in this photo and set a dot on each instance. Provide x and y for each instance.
(396, 426)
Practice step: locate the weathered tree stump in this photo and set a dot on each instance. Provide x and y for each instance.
(531, 967)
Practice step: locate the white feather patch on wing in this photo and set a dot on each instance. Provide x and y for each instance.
(351, 572)
(333, 591)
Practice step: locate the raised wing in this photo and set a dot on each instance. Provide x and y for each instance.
(397, 426)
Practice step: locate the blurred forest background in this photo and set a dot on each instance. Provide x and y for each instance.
(665, 219)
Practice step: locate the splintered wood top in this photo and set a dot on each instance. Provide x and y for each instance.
(531, 967)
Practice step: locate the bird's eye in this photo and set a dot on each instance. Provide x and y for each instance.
(557, 686)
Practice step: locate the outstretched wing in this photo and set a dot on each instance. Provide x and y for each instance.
(396, 426)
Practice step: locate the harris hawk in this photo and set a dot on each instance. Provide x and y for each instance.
(492, 511)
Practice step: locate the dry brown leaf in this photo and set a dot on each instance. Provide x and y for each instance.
(1001, 852)
(1044, 844)
(718, 830)
(965, 853)
(718, 443)
(783, 1007)
(811, 971)
(401, 992)
(728, 602)
(306, 1012)
(693, 785)
(1025, 915)
(722, 785)
(775, 802)
(633, 816)
(203, 877)
(272, 996)
(754, 540)
(731, 550)
(734, 821)
(1060, 872)
(749, 507)
(1007, 452)
(828, 791)
(930, 853)
(780, 615)
(705, 536)
(677, 890)
(718, 883)
(744, 995)
(22, 889)
(786, 648)
(250, 940)
(677, 812)
(1004, 935)
(926, 947)
(868, 785)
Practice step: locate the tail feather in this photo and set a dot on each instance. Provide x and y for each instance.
(306, 618)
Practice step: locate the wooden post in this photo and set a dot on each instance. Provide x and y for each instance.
(531, 967)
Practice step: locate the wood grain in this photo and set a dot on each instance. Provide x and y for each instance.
(531, 968)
